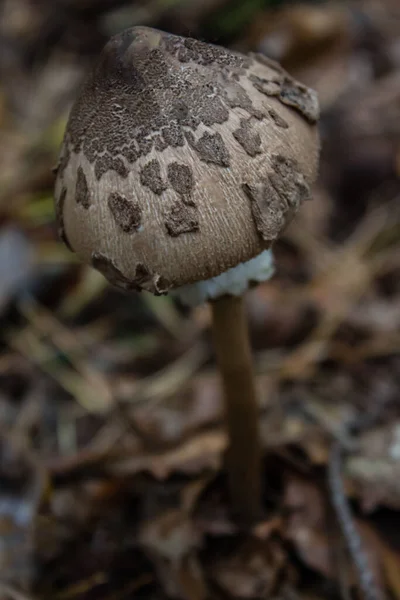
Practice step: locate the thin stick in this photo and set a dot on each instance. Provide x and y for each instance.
(244, 451)
(353, 540)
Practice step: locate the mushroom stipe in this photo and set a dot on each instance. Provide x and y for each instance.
(181, 163)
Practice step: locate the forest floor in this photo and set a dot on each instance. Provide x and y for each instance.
(112, 440)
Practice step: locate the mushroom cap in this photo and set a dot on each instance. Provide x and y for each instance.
(182, 159)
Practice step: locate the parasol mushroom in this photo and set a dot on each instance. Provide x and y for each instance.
(182, 162)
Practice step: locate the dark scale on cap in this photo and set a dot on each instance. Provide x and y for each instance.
(275, 199)
(173, 135)
(291, 93)
(108, 268)
(127, 213)
(212, 111)
(181, 178)
(199, 52)
(154, 283)
(155, 69)
(247, 138)
(300, 97)
(82, 194)
(60, 219)
(278, 120)
(210, 148)
(139, 97)
(186, 52)
(236, 96)
(203, 54)
(181, 218)
(117, 128)
(132, 153)
(108, 163)
(289, 182)
(180, 110)
(203, 106)
(145, 143)
(142, 279)
(93, 147)
(269, 87)
(266, 208)
(150, 176)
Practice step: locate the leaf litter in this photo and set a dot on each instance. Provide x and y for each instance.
(112, 437)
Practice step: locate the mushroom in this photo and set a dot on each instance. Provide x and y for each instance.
(182, 162)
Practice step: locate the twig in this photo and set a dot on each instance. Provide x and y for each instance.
(344, 516)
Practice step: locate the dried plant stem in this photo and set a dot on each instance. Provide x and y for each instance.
(344, 516)
(244, 449)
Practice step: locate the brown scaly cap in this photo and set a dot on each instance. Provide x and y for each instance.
(182, 159)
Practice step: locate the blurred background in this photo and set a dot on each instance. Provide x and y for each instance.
(111, 434)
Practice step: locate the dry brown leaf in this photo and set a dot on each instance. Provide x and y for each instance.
(171, 541)
(201, 452)
(307, 526)
(253, 569)
(375, 468)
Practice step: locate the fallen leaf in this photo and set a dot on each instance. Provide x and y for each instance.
(253, 569)
(307, 526)
(171, 540)
(200, 452)
(374, 469)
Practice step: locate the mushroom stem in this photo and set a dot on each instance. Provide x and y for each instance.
(244, 453)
